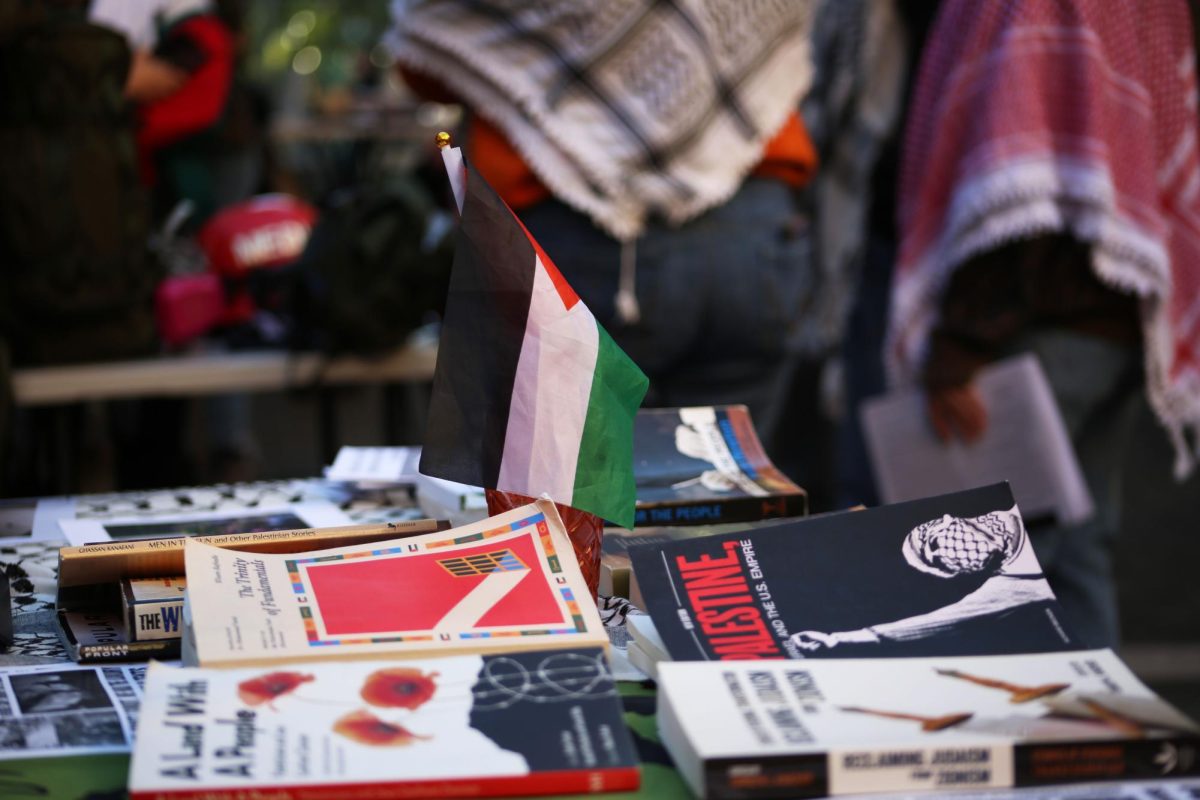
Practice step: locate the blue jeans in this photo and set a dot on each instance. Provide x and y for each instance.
(718, 295)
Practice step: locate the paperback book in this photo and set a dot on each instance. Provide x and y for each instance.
(646, 649)
(151, 607)
(111, 562)
(615, 566)
(781, 729)
(99, 637)
(706, 465)
(509, 582)
(520, 723)
(101, 617)
(948, 575)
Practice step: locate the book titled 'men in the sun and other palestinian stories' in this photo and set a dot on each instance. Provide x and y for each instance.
(948, 575)
(845, 726)
(509, 582)
(538, 722)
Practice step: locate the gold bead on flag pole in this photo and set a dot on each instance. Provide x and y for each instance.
(443, 140)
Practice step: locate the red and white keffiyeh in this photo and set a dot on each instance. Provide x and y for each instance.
(1077, 116)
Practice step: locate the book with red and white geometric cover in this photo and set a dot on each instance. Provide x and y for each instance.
(509, 582)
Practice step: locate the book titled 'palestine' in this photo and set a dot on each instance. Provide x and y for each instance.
(843, 726)
(523, 723)
(948, 575)
(509, 582)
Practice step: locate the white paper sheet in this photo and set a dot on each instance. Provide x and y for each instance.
(375, 465)
(1025, 443)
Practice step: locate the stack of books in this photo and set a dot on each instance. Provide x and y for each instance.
(409, 660)
(907, 648)
(459, 663)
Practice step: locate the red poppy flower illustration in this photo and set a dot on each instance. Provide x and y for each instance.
(399, 687)
(264, 689)
(366, 728)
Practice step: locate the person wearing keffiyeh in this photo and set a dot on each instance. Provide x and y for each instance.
(1050, 202)
(653, 149)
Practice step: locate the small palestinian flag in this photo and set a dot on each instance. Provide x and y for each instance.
(530, 394)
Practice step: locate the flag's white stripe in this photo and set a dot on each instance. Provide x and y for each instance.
(457, 172)
(550, 395)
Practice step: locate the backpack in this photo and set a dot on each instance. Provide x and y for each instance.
(374, 270)
(74, 221)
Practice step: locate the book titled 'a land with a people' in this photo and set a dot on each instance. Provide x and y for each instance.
(538, 722)
(811, 729)
(705, 465)
(509, 582)
(948, 575)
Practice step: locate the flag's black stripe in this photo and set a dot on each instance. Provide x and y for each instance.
(482, 332)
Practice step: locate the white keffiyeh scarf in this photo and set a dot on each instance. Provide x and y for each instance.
(623, 108)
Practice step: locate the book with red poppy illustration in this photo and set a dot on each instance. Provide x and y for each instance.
(538, 722)
(509, 582)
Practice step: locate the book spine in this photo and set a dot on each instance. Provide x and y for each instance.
(111, 561)
(1112, 760)
(126, 651)
(157, 619)
(582, 781)
(738, 509)
(798, 776)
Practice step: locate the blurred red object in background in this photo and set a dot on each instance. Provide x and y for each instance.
(188, 306)
(260, 233)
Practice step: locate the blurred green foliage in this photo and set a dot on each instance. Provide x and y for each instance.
(331, 41)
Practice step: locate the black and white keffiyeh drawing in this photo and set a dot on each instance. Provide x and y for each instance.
(953, 546)
(994, 546)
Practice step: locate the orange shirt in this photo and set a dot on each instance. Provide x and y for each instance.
(789, 156)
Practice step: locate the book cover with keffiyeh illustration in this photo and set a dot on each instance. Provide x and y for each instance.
(510, 582)
(459, 726)
(948, 575)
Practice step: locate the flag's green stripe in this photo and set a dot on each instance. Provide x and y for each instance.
(604, 473)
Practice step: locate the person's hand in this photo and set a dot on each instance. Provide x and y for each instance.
(957, 411)
(813, 640)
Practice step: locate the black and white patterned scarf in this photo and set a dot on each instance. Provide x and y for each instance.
(623, 108)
